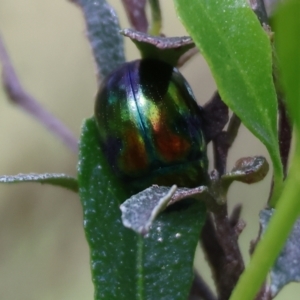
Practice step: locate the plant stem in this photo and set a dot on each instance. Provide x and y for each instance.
(285, 136)
(187, 56)
(200, 289)
(19, 96)
(156, 21)
(212, 249)
(219, 240)
(135, 10)
(223, 142)
(215, 117)
(232, 264)
(281, 224)
(233, 128)
(258, 6)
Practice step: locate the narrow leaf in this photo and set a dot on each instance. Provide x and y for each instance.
(286, 268)
(112, 246)
(124, 265)
(61, 180)
(239, 54)
(140, 210)
(103, 32)
(248, 170)
(287, 26)
(169, 249)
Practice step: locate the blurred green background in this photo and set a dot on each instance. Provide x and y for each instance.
(43, 253)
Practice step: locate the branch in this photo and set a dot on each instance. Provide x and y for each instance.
(19, 96)
(200, 290)
(258, 6)
(135, 10)
(232, 264)
(223, 142)
(219, 237)
(285, 136)
(156, 22)
(187, 56)
(213, 251)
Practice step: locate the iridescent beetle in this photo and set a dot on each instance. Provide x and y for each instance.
(150, 126)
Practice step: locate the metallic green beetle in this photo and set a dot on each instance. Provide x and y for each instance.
(150, 126)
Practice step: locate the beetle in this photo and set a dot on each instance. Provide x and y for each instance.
(150, 126)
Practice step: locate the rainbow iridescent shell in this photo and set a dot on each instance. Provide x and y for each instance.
(150, 126)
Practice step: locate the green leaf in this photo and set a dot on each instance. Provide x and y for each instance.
(61, 180)
(288, 209)
(239, 54)
(124, 265)
(287, 27)
(168, 252)
(112, 246)
(103, 32)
